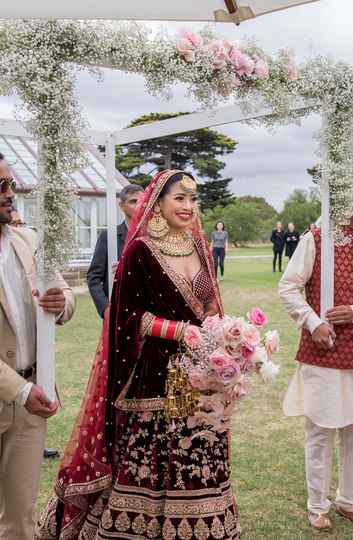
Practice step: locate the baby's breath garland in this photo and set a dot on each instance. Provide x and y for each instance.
(38, 60)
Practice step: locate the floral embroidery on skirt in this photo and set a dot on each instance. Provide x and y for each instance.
(169, 485)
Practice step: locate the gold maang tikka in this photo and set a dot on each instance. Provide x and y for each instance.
(188, 183)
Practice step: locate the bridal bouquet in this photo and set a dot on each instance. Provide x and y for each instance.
(219, 361)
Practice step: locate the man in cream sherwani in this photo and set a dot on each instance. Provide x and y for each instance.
(322, 387)
(24, 407)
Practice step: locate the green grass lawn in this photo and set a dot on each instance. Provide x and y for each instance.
(268, 461)
(250, 251)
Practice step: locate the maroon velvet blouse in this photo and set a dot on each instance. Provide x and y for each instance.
(147, 283)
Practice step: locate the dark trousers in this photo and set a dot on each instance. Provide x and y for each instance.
(277, 254)
(218, 259)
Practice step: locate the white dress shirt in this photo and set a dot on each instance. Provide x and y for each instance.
(324, 395)
(22, 312)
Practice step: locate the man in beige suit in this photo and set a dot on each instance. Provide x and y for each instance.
(24, 407)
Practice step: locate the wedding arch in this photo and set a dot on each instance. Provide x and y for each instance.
(38, 62)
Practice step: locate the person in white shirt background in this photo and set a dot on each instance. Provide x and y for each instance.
(322, 387)
(24, 407)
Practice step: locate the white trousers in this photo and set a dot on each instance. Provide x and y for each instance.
(22, 438)
(319, 443)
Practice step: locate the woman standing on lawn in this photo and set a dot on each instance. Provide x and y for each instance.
(219, 246)
(128, 472)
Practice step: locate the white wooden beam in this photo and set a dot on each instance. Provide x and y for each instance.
(190, 122)
(160, 10)
(11, 128)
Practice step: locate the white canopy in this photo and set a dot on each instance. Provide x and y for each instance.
(181, 10)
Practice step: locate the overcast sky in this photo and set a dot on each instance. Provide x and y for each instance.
(264, 164)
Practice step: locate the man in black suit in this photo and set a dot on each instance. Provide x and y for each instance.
(98, 272)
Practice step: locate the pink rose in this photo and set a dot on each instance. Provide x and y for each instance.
(233, 349)
(192, 336)
(198, 379)
(194, 39)
(261, 69)
(251, 336)
(229, 373)
(219, 52)
(292, 71)
(232, 331)
(257, 317)
(211, 322)
(248, 351)
(219, 359)
(186, 49)
(243, 64)
(271, 341)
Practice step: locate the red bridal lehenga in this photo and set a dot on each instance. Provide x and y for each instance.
(127, 472)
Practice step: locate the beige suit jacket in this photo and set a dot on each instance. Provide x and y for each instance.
(24, 241)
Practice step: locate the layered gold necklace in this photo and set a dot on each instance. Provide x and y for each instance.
(176, 244)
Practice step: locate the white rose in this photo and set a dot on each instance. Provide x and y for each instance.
(260, 356)
(272, 341)
(269, 371)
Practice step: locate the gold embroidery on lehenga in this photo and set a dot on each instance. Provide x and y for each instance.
(185, 530)
(122, 522)
(107, 520)
(230, 523)
(217, 529)
(201, 531)
(153, 528)
(169, 531)
(140, 405)
(208, 506)
(139, 525)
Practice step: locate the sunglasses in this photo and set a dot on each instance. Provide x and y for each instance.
(6, 184)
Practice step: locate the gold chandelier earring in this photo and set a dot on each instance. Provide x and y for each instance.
(157, 226)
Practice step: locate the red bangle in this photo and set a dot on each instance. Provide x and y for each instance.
(156, 330)
(164, 328)
(170, 333)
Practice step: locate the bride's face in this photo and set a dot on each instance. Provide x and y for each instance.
(179, 207)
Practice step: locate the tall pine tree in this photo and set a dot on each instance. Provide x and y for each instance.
(197, 151)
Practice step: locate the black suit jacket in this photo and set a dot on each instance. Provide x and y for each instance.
(97, 275)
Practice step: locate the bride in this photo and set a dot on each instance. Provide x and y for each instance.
(128, 472)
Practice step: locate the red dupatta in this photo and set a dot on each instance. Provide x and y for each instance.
(87, 467)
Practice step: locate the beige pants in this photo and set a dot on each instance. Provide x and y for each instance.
(319, 443)
(22, 438)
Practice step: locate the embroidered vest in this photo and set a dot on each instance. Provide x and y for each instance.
(341, 356)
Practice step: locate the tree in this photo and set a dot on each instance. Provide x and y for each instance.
(197, 151)
(315, 172)
(302, 208)
(214, 193)
(241, 220)
(266, 216)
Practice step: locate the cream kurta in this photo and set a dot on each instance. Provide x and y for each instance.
(324, 395)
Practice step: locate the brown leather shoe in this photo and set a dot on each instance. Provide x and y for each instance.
(344, 513)
(319, 521)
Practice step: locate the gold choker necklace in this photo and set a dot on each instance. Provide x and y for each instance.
(176, 245)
